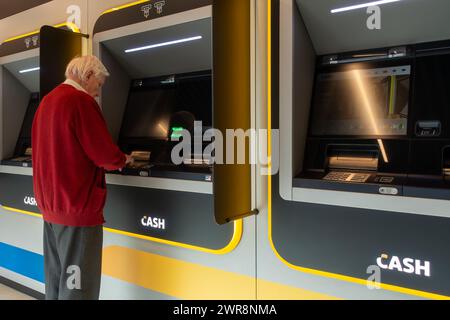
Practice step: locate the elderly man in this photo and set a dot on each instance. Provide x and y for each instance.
(72, 148)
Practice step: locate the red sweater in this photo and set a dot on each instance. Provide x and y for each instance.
(71, 150)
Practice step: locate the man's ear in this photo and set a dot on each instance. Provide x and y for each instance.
(89, 75)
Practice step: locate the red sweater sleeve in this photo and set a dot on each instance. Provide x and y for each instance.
(94, 137)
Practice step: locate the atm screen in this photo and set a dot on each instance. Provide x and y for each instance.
(29, 116)
(370, 102)
(154, 103)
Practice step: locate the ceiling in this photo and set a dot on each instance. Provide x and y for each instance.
(178, 58)
(31, 79)
(404, 22)
(9, 8)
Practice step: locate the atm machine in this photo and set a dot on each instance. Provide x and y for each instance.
(363, 122)
(171, 81)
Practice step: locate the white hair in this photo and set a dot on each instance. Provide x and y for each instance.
(80, 67)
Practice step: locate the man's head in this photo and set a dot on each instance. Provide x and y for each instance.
(89, 72)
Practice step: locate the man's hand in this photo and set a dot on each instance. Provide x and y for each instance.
(130, 159)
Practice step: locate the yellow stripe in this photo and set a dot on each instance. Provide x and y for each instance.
(124, 6)
(237, 236)
(70, 25)
(37, 215)
(190, 281)
(363, 282)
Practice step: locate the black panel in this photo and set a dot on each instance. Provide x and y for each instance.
(432, 94)
(188, 217)
(58, 48)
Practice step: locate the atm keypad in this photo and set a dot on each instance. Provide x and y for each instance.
(347, 177)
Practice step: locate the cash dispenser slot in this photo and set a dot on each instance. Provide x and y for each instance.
(347, 163)
(353, 158)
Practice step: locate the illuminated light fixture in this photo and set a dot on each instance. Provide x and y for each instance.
(164, 44)
(363, 5)
(383, 150)
(163, 128)
(30, 70)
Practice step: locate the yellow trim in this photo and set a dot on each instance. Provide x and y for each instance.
(191, 281)
(36, 215)
(124, 6)
(363, 282)
(237, 236)
(70, 25)
(235, 240)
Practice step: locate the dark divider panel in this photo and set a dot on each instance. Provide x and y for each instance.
(58, 48)
(232, 99)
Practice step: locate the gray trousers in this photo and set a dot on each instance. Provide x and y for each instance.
(73, 262)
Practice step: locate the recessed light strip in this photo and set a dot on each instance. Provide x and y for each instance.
(169, 43)
(363, 5)
(30, 70)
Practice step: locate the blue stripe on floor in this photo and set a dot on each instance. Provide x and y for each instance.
(23, 262)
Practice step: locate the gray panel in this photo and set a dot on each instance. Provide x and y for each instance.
(114, 92)
(30, 79)
(173, 59)
(304, 58)
(15, 102)
(403, 22)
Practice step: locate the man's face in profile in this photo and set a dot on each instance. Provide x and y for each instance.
(94, 84)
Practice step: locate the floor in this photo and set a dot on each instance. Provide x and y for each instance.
(7, 293)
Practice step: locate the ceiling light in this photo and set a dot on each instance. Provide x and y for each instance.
(169, 43)
(30, 70)
(363, 5)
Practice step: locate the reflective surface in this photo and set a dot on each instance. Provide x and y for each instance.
(362, 102)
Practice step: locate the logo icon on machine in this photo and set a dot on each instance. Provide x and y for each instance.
(31, 41)
(153, 223)
(146, 10)
(405, 265)
(30, 201)
(157, 5)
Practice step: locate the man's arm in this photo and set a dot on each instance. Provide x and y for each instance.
(94, 137)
